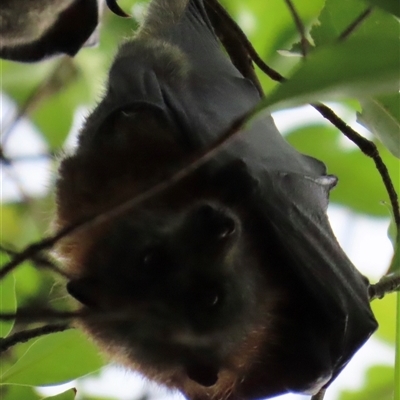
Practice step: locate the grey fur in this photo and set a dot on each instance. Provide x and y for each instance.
(23, 21)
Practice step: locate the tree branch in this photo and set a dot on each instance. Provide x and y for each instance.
(29, 315)
(242, 38)
(369, 149)
(28, 334)
(40, 261)
(227, 34)
(355, 24)
(320, 395)
(300, 27)
(387, 284)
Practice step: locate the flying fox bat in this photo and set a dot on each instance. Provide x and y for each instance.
(229, 284)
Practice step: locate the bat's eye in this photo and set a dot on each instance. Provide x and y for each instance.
(128, 114)
(154, 262)
(209, 299)
(228, 229)
(206, 299)
(216, 222)
(148, 259)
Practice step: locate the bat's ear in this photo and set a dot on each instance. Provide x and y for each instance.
(84, 290)
(72, 28)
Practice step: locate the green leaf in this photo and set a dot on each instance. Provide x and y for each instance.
(395, 264)
(54, 116)
(28, 283)
(326, 144)
(391, 6)
(99, 398)
(10, 223)
(378, 24)
(384, 311)
(380, 384)
(18, 82)
(274, 14)
(270, 28)
(336, 16)
(68, 395)
(18, 392)
(397, 354)
(8, 302)
(354, 68)
(381, 115)
(53, 359)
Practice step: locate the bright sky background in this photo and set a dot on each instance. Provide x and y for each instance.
(364, 240)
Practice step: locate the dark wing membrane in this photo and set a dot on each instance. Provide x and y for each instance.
(294, 206)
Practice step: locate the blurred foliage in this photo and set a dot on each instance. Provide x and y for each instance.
(383, 310)
(36, 366)
(326, 143)
(379, 385)
(13, 392)
(381, 115)
(363, 68)
(8, 303)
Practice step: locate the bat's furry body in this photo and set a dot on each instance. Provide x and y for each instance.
(229, 285)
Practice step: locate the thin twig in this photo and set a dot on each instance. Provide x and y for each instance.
(320, 395)
(387, 284)
(242, 38)
(34, 248)
(227, 34)
(29, 315)
(368, 148)
(300, 27)
(28, 334)
(39, 260)
(355, 24)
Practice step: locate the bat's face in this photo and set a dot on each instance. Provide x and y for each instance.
(179, 288)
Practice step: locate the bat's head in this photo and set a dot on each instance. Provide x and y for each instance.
(181, 289)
